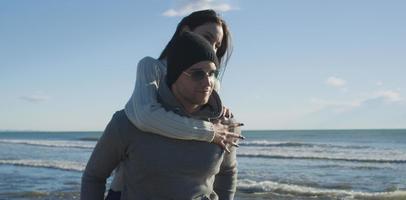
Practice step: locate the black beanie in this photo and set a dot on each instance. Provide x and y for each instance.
(187, 50)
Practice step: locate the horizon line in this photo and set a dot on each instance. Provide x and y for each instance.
(323, 129)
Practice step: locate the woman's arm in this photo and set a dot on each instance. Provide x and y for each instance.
(144, 111)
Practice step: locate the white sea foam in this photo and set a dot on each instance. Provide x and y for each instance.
(267, 143)
(320, 152)
(272, 143)
(246, 185)
(315, 157)
(309, 156)
(63, 165)
(53, 143)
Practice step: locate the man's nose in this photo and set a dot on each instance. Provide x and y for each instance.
(206, 81)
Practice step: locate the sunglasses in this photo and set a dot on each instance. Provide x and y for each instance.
(198, 75)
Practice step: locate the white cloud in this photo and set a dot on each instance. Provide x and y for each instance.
(35, 98)
(389, 96)
(186, 7)
(336, 82)
(379, 83)
(335, 106)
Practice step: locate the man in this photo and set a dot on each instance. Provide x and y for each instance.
(156, 167)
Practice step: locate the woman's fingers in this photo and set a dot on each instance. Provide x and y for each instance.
(226, 138)
(234, 135)
(235, 144)
(221, 141)
(233, 125)
(227, 112)
(224, 146)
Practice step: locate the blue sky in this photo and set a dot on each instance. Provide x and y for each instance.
(68, 65)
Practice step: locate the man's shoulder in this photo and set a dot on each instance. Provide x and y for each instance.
(123, 123)
(127, 129)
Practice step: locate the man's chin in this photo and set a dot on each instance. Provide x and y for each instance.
(202, 100)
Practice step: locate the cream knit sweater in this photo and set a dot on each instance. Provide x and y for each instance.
(144, 111)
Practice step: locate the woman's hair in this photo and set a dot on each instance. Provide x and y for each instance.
(199, 18)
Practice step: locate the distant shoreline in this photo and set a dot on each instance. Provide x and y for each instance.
(250, 130)
(35, 131)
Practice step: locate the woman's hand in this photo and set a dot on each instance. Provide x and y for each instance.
(225, 134)
(227, 113)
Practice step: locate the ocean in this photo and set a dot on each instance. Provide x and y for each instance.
(284, 165)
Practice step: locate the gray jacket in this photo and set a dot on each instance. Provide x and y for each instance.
(155, 167)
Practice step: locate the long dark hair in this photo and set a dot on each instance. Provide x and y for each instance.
(199, 18)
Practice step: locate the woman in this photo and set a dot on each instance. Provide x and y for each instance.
(143, 109)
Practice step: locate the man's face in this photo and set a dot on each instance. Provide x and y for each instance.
(195, 85)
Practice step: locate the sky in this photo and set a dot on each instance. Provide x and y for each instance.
(315, 64)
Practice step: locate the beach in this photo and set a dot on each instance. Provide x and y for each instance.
(285, 165)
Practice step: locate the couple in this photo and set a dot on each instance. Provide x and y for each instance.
(167, 151)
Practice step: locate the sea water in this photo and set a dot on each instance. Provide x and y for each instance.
(310, 164)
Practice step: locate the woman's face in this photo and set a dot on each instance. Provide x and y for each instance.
(212, 32)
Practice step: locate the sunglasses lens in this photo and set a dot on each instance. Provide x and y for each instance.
(198, 75)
